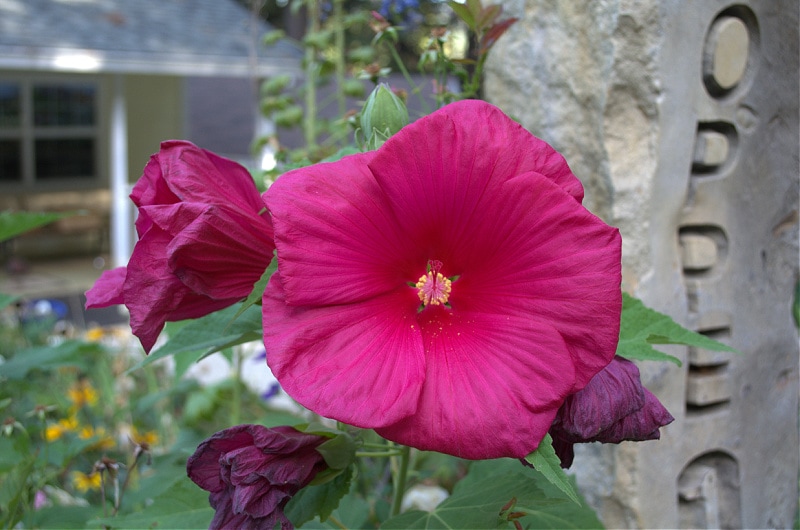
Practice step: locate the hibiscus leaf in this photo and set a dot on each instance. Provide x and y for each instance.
(338, 452)
(183, 505)
(641, 327)
(15, 223)
(209, 334)
(546, 462)
(478, 501)
(321, 500)
(258, 288)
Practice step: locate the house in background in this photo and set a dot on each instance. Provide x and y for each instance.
(89, 88)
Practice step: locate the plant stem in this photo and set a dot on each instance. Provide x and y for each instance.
(310, 118)
(236, 406)
(338, 19)
(377, 454)
(400, 480)
(336, 522)
(125, 483)
(412, 85)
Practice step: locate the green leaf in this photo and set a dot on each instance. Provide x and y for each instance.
(258, 288)
(555, 510)
(68, 353)
(13, 487)
(13, 451)
(463, 12)
(641, 327)
(338, 452)
(60, 517)
(477, 503)
(184, 505)
(353, 512)
(13, 224)
(546, 461)
(321, 500)
(211, 333)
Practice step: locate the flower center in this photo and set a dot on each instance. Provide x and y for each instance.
(433, 287)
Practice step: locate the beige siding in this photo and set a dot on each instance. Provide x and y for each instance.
(155, 106)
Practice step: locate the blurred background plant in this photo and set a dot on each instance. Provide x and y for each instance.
(429, 52)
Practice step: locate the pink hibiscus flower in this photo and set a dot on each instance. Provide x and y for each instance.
(447, 290)
(204, 239)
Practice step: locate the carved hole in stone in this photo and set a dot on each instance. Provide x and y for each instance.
(709, 492)
(704, 249)
(708, 381)
(707, 386)
(714, 147)
(701, 357)
(730, 51)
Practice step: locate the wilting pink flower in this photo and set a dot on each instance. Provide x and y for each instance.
(613, 407)
(204, 240)
(252, 472)
(447, 290)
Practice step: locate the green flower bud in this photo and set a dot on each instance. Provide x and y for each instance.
(383, 115)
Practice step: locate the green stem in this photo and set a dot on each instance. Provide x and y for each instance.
(336, 522)
(310, 118)
(400, 480)
(338, 36)
(236, 405)
(414, 87)
(374, 445)
(378, 454)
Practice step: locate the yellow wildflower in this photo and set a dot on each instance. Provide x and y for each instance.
(84, 482)
(104, 441)
(149, 438)
(95, 334)
(82, 393)
(55, 431)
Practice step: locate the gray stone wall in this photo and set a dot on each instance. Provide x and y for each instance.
(681, 119)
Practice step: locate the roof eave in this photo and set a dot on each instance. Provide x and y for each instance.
(72, 60)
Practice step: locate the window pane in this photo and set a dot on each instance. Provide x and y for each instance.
(10, 161)
(64, 158)
(63, 105)
(9, 105)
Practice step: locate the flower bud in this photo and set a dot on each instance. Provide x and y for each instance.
(383, 115)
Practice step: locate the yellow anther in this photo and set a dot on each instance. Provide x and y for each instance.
(433, 288)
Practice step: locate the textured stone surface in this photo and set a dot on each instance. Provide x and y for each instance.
(681, 119)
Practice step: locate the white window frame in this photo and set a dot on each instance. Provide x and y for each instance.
(27, 133)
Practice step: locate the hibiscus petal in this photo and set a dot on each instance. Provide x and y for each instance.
(462, 152)
(555, 261)
(492, 387)
(197, 175)
(207, 257)
(337, 241)
(107, 290)
(611, 395)
(203, 467)
(642, 425)
(362, 364)
(154, 295)
(151, 188)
